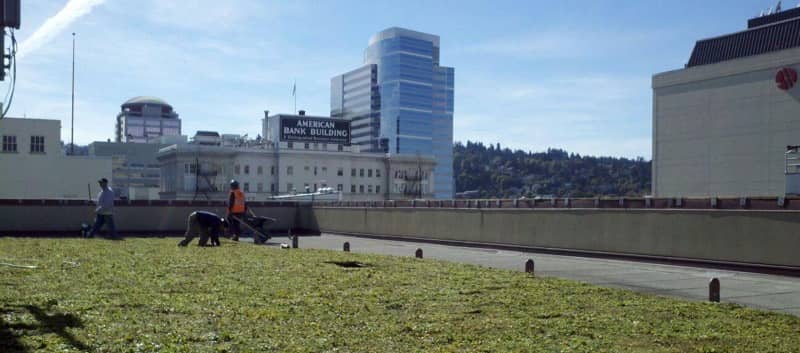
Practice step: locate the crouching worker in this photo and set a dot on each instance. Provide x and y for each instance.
(206, 225)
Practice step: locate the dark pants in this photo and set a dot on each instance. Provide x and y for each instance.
(194, 228)
(235, 228)
(108, 220)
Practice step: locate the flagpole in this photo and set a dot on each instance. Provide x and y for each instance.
(294, 94)
(72, 129)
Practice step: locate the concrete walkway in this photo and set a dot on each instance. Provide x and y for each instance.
(762, 291)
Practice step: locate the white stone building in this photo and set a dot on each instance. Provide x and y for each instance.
(33, 166)
(277, 168)
(264, 171)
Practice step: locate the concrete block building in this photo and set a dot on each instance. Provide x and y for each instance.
(722, 124)
(33, 166)
(135, 169)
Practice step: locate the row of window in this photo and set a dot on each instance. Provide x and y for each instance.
(339, 187)
(306, 145)
(259, 170)
(361, 173)
(316, 170)
(10, 144)
(308, 188)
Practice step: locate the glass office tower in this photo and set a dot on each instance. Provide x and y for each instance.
(355, 97)
(410, 103)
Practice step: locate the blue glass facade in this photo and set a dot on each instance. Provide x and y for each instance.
(411, 105)
(355, 97)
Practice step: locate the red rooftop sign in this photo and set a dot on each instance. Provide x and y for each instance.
(786, 78)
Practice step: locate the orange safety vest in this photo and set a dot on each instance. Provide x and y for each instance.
(238, 202)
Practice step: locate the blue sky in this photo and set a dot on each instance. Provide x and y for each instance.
(529, 74)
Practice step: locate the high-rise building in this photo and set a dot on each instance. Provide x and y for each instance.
(145, 119)
(355, 97)
(401, 101)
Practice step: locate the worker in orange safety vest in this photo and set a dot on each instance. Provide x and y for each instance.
(236, 208)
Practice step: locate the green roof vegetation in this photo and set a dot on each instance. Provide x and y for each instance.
(148, 295)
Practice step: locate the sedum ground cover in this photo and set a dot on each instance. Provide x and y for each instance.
(147, 295)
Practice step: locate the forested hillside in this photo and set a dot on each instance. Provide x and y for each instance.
(500, 172)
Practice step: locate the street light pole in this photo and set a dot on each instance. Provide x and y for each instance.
(72, 129)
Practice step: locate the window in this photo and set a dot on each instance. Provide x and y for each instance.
(260, 187)
(290, 145)
(353, 188)
(340, 148)
(289, 170)
(306, 188)
(369, 189)
(37, 144)
(377, 189)
(353, 172)
(272, 170)
(305, 145)
(289, 187)
(339, 187)
(377, 173)
(189, 168)
(361, 172)
(369, 173)
(361, 189)
(9, 143)
(315, 187)
(315, 170)
(236, 169)
(260, 170)
(324, 170)
(340, 172)
(246, 187)
(247, 169)
(316, 145)
(325, 146)
(272, 188)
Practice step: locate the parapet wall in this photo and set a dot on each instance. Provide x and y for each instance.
(64, 217)
(746, 231)
(763, 237)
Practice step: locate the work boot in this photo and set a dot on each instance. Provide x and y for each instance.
(183, 243)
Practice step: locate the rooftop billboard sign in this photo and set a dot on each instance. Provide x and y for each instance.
(322, 130)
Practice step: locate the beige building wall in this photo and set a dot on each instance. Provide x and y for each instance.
(27, 174)
(722, 129)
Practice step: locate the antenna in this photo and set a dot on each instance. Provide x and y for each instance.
(778, 7)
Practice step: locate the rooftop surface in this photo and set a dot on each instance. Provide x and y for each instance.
(761, 291)
(148, 295)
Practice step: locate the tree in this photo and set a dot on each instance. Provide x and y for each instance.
(497, 172)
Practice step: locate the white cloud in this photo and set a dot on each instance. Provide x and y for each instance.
(214, 16)
(559, 43)
(72, 11)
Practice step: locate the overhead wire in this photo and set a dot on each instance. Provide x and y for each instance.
(12, 65)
